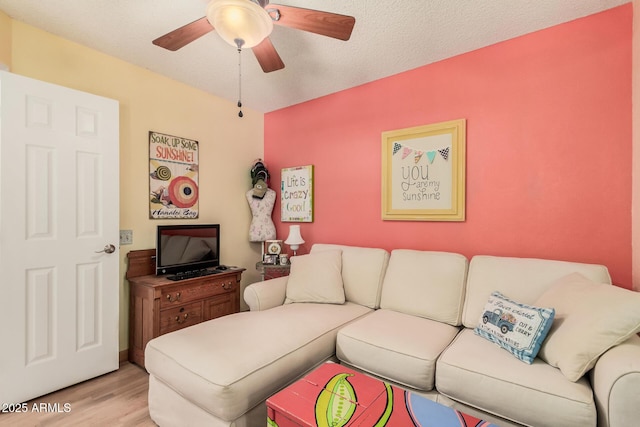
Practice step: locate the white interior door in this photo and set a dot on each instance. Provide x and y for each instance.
(59, 206)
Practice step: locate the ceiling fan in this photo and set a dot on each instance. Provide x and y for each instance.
(248, 23)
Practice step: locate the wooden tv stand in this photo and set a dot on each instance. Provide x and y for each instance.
(159, 305)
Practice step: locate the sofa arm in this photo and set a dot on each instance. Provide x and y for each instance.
(267, 294)
(616, 385)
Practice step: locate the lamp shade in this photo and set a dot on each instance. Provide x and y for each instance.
(295, 239)
(241, 23)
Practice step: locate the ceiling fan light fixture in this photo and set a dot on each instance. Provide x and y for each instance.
(241, 23)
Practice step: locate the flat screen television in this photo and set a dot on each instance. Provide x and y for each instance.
(184, 248)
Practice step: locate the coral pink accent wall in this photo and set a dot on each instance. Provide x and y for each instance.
(635, 209)
(548, 148)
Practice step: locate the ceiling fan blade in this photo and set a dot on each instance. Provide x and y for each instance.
(184, 35)
(267, 56)
(323, 23)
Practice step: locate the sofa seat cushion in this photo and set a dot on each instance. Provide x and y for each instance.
(228, 365)
(478, 373)
(397, 346)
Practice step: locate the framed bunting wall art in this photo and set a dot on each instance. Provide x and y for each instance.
(296, 194)
(173, 177)
(423, 172)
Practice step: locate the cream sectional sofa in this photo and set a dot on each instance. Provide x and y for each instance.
(407, 317)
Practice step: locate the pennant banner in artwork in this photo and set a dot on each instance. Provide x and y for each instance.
(406, 151)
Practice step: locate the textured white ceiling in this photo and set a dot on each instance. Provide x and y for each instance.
(389, 37)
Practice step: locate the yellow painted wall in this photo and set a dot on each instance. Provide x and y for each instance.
(5, 39)
(228, 145)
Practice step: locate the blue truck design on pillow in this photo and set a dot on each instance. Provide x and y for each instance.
(504, 321)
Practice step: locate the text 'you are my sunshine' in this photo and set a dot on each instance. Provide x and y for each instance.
(416, 185)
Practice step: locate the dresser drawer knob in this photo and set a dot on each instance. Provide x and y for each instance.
(173, 299)
(226, 286)
(183, 318)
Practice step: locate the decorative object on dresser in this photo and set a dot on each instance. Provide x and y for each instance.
(271, 251)
(273, 247)
(295, 238)
(159, 305)
(269, 259)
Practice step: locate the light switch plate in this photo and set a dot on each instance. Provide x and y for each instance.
(126, 237)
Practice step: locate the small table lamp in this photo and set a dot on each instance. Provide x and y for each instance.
(295, 239)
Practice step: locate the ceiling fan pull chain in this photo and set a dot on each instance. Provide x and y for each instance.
(240, 82)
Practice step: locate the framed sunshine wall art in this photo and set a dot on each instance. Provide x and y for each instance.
(423, 173)
(173, 177)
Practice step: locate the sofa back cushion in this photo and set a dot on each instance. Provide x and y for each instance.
(520, 279)
(426, 284)
(363, 270)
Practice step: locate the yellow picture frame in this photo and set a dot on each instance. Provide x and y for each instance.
(423, 172)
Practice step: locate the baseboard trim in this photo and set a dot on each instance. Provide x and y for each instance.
(123, 356)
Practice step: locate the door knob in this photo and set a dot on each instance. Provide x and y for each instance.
(108, 249)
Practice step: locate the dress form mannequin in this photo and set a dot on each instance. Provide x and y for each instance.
(262, 227)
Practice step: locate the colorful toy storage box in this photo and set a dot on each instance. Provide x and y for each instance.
(336, 396)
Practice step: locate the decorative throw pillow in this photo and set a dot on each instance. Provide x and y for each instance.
(317, 278)
(590, 319)
(518, 328)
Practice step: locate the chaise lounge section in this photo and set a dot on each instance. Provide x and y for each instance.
(220, 373)
(409, 318)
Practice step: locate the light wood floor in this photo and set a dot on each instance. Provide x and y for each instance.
(115, 399)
